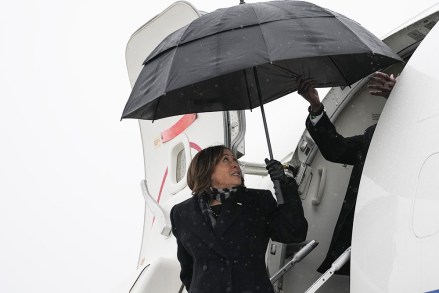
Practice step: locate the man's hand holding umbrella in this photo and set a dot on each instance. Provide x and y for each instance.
(306, 88)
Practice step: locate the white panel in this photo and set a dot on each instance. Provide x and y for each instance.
(161, 275)
(145, 39)
(386, 254)
(426, 206)
(156, 152)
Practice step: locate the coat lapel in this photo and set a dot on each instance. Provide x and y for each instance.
(232, 209)
(198, 225)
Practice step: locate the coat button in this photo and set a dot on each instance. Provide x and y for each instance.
(227, 262)
(204, 268)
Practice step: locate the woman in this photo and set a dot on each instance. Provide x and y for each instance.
(223, 231)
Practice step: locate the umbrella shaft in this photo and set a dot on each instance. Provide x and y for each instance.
(266, 132)
(261, 105)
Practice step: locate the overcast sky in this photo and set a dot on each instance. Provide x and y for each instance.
(71, 208)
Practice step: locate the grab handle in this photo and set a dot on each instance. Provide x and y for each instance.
(156, 210)
(321, 186)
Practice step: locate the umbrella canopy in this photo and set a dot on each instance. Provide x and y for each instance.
(243, 56)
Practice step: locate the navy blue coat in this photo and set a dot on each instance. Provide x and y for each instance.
(231, 256)
(344, 150)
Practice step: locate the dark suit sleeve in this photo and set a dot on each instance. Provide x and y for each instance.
(333, 146)
(183, 256)
(287, 223)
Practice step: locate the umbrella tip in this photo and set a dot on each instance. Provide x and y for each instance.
(241, 2)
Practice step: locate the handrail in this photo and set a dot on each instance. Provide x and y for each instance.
(336, 265)
(156, 210)
(304, 251)
(253, 168)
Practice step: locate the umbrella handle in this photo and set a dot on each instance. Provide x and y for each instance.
(278, 192)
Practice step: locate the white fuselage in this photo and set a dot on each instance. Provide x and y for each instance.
(396, 227)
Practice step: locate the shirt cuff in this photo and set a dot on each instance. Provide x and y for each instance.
(315, 119)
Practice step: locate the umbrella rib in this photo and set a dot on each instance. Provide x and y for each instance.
(170, 70)
(339, 70)
(262, 33)
(292, 74)
(248, 90)
(145, 109)
(156, 107)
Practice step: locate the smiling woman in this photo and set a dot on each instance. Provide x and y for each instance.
(222, 232)
(227, 173)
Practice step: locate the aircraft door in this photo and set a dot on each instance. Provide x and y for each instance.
(169, 144)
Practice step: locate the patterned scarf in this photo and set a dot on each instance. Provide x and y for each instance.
(204, 199)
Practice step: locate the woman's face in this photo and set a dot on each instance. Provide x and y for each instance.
(227, 172)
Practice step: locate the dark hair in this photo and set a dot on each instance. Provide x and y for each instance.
(201, 168)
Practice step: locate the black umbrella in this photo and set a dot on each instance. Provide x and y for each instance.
(243, 56)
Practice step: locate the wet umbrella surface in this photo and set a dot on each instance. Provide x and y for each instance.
(244, 56)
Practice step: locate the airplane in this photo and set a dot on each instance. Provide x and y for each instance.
(396, 226)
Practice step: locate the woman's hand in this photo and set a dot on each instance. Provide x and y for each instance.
(276, 170)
